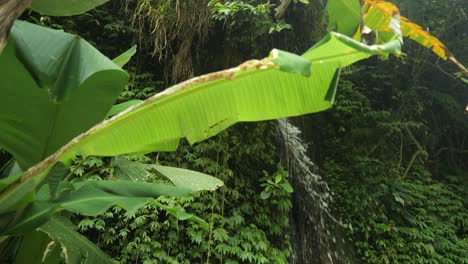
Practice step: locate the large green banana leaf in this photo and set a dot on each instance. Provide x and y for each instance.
(203, 106)
(55, 87)
(274, 87)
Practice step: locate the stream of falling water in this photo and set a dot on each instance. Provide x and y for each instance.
(315, 232)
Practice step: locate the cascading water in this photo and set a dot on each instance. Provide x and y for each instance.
(315, 232)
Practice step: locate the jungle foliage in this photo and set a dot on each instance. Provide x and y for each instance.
(393, 149)
(235, 224)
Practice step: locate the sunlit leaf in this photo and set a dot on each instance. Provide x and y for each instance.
(203, 106)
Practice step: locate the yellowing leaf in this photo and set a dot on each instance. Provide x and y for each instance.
(416, 33)
(383, 17)
(377, 15)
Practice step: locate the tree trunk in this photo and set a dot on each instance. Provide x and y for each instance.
(9, 11)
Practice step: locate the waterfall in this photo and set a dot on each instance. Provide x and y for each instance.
(315, 232)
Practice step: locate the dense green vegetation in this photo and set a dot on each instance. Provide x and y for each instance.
(392, 148)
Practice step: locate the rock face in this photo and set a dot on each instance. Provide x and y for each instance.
(313, 229)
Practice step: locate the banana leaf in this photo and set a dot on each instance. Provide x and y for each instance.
(58, 86)
(344, 16)
(203, 106)
(92, 198)
(75, 247)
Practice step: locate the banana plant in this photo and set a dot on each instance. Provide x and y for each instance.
(43, 65)
(62, 78)
(68, 86)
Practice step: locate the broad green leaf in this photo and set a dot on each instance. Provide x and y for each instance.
(193, 180)
(121, 107)
(93, 198)
(128, 170)
(77, 248)
(59, 62)
(125, 169)
(125, 57)
(344, 16)
(32, 247)
(42, 64)
(134, 189)
(52, 254)
(65, 7)
(203, 106)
